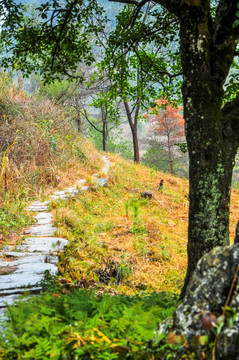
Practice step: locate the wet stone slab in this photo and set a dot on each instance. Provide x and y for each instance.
(37, 208)
(41, 230)
(20, 291)
(26, 276)
(58, 197)
(43, 244)
(43, 218)
(29, 259)
(8, 297)
(7, 300)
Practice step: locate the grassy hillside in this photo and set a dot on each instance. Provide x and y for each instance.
(123, 242)
(119, 240)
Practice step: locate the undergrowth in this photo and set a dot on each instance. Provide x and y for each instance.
(40, 150)
(82, 325)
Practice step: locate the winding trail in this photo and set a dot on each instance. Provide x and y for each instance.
(25, 265)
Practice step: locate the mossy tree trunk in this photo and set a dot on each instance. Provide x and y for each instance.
(207, 51)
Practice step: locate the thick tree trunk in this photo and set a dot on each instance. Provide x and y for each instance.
(211, 141)
(210, 175)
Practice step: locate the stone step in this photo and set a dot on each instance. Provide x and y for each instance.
(43, 218)
(43, 244)
(41, 230)
(20, 291)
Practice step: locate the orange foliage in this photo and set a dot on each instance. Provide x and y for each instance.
(167, 120)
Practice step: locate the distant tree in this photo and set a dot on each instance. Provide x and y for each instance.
(167, 121)
(135, 68)
(107, 118)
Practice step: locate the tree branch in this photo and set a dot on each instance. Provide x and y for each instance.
(224, 38)
(59, 37)
(174, 6)
(84, 113)
(126, 104)
(230, 113)
(132, 2)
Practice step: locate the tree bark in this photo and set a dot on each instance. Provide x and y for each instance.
(136, 144)
(212, 142)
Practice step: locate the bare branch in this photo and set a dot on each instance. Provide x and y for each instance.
(84, 113)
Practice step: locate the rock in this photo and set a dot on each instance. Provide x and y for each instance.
(101, 182)
(160, 185)
(205, 298)
(147, 195)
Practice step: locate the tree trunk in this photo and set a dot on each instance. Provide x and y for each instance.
(170, 156)
(79, 122)
(104, 134)
(212, 144)
(134, 130)
(136, 144)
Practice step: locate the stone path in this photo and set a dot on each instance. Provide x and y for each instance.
(25, 265)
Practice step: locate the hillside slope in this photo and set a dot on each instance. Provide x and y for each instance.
(124, 242)
(120, 241)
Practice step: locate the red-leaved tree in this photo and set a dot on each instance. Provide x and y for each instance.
(167, 121)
